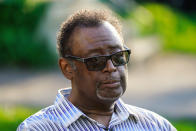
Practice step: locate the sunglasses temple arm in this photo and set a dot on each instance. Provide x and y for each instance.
(80, 59)
(75, 58)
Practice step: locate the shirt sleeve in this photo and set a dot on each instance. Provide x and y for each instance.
(168, 125)
(160, 123)
(163, 123)
(23, 127)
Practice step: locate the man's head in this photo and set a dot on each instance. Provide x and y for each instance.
(82, 18)
(89, 34)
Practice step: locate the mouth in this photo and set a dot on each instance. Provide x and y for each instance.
(111, 84)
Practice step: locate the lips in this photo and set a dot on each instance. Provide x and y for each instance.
(111, 84)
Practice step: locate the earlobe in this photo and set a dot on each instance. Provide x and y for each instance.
(66, 68)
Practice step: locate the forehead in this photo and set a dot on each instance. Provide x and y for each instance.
(99, 39)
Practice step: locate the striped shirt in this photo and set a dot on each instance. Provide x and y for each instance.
(64, 116)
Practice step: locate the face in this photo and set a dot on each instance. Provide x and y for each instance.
(106, 85)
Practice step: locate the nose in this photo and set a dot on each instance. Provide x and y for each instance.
(109, 67)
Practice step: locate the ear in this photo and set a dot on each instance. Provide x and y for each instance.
(66, 68)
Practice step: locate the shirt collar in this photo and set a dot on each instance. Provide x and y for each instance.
(68, 113)
(125, 112)
(65, 110)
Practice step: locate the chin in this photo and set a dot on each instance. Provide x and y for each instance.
(108, 99)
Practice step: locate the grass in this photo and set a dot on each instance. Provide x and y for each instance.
(11, 117)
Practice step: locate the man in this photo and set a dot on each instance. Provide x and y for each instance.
(94, 57)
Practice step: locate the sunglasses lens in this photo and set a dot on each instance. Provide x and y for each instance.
(99, 63)
(120, 58)
(96, 63)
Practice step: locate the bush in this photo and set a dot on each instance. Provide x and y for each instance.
(18, 45)
(176, 29)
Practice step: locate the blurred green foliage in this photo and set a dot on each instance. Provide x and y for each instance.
(18, 43)
(176, 29)
(11, 117)
(185, 125)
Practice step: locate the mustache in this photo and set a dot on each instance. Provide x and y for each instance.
(110, 78)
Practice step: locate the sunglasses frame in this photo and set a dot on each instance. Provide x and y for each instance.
(84, 60)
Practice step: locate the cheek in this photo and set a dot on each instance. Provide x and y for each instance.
(123, 76)
(85, 80)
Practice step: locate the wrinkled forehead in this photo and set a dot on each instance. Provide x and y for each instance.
(104, 37)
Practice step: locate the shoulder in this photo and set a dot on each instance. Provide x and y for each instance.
(145, 116)
(42, 120)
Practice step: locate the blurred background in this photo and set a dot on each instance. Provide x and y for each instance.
(162, 69)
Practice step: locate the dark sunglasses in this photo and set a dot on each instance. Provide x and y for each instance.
(98, 63)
